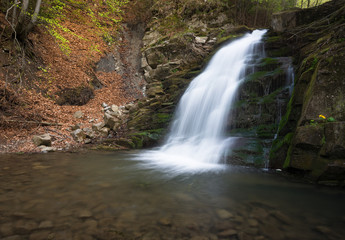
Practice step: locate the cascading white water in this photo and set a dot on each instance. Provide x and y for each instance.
(196, 141)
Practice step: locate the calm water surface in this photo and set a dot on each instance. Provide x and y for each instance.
(111, 196)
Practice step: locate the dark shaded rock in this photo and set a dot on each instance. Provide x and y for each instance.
(75, 96)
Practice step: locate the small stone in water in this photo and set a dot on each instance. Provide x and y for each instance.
(253, 222)
(164, 222)
(228, 233)
(45, 224)
(85, 214)
(223, 214)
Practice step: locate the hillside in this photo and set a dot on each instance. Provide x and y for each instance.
(40, 92)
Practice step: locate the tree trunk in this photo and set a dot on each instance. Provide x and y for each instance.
(14, 13)
(23, 28)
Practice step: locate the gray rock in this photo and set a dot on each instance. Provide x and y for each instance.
(75, 127)
(201, 40)
(104, 131)
(78, 135)
(78, 114)
(44, 139)
(98, 126)
(89, 132)
(115, 108)
(111, 121)
(46, 149)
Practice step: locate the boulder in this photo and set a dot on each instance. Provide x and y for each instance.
(201, 40)
(44, 139)
(78, 135)
(98, 126)
(104, 131)
(46, 149)
(111, 121)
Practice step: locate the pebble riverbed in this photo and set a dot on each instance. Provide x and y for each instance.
(97, 195)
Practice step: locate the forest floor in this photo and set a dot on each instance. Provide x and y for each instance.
(29, 85)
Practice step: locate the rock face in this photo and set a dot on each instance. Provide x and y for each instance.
(169, 63)
(311, 135)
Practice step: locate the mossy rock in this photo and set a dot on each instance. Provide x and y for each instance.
(266, 131)
(127, 143)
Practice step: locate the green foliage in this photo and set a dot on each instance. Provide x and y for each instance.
(104, 15)
(330, 119)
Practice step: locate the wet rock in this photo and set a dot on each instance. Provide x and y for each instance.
(165, 222)
(238, 219)
(224, 214)
(25, 226)
(91, 224)
(78, 114)
(259, 213)
(78, 135)
(253, 222)
(199, 238)
(45, 224)
(323, 229)
(85, 214)
(228, 233)
(44, 139)
(151, 236)
(271, 231)
(251, 231)
(154, 90)
(40, 235)
(281, 217)
(15, 237)
(6, 229)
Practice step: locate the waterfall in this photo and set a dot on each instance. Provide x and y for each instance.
(197, 141)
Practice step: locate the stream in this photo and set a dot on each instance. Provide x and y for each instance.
(110, 195)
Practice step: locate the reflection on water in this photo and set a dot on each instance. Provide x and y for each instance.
(105, 196)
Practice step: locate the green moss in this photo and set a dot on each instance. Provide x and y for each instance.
(266, 131)
(273, 39)
(161, 117)
(271, 97)
(278, 143)
(268, 61)
(285, 118)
